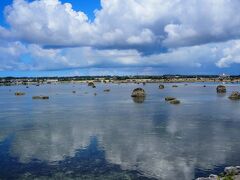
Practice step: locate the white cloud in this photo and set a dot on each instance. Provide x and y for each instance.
(231, 55)
(168, 23)
(120, 35)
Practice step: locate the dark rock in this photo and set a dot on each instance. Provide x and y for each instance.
(19, 93)
(40, 97)
(169, 98)
(234, 96)
(161, 86)
(91, 84)
(138, 92)
(175, 101)
(221, 89)
(174, 86)
(107, 90)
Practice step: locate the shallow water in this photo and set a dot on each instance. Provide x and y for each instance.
(109, 136)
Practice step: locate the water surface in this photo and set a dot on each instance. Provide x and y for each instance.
(110, 136)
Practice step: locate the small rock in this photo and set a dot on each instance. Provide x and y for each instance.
(234, 96)
(40, 97)
(174, 86)
(221, 89)
(175, 101)
(169, 98)
(161, 86)
(107, 90)
(19, 93)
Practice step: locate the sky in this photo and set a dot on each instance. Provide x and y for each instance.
(119, 37)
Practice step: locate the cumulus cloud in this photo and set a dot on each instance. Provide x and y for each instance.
(231, 55)
(150, 33)
(168, 23)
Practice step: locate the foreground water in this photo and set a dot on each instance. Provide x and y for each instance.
(109, 136)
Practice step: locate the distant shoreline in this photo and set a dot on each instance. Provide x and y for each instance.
(119, 79)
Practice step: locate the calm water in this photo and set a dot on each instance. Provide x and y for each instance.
(109, 136)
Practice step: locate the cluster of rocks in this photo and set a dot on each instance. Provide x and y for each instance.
(172, 100)
(230, 173)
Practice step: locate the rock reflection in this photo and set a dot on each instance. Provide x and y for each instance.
(138, 100)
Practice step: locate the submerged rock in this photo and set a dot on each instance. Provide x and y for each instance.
(235, 96)
(174, 86)
(138, 92)
(73, 92)
(169, 98)
(161, 86)
(107, 90)
(40, 97)
(221, 89)
(19, 93)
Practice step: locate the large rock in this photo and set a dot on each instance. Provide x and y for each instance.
(138, 92)
(221, 89)
(235, 96)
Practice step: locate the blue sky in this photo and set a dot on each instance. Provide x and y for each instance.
(120, 37)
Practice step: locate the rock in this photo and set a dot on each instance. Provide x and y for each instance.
(91, 84)
(235, 96)
(221, 89)
(211, 177)
(40, 97)
(73, 92)
(107, 90)
(174, 86)
(138, 92)
(95, 94)
(175, 101)
(230, 173)
(204, 86)
(161, 86)
(232, 170)
(19, 93)
(169, 98)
